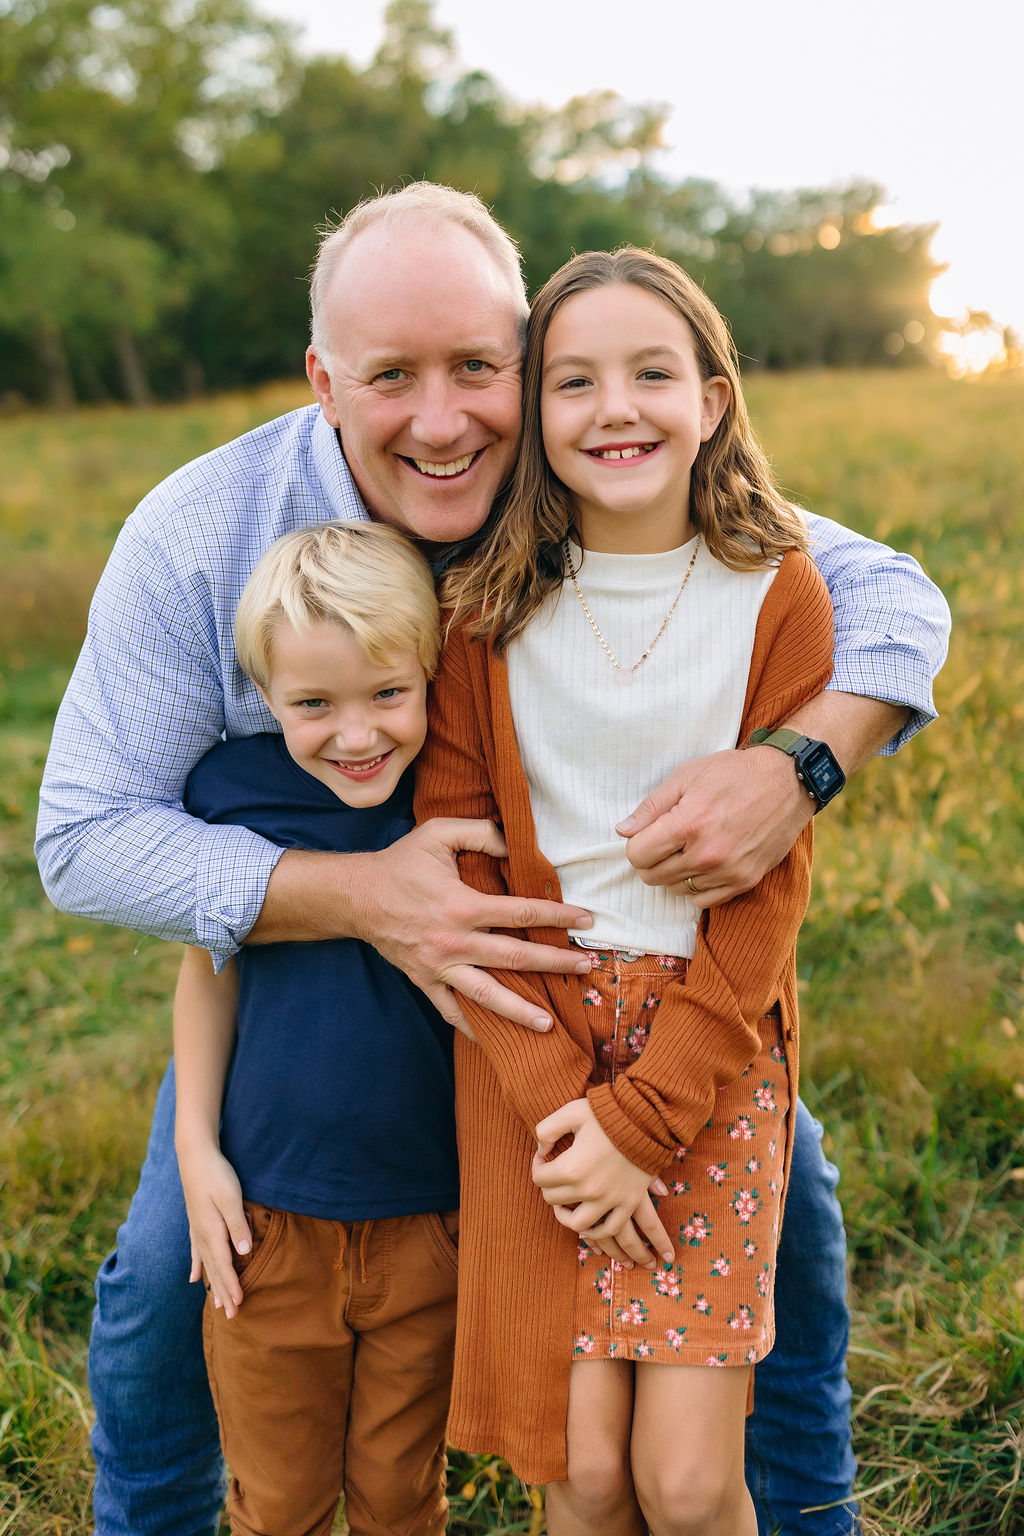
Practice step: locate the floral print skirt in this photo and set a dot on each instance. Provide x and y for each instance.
(714, 1305)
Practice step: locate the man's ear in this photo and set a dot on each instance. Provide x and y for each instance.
(717, 392)
(320, 383)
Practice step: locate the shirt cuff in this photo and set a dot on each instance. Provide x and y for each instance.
(879, 667)
(231, 884)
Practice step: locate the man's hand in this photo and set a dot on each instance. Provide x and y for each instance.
(724, 821)
(721, 822)
(410, 904)
(216, 1221)
(595, 1190)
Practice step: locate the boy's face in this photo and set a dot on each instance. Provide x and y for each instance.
(354, 725)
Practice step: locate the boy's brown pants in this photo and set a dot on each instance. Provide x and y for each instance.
(334, 1376)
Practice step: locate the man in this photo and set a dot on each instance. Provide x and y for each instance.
(418, 305)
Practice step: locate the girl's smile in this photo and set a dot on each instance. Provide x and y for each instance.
(624, 411)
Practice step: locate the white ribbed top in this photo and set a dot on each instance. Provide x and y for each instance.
(592, 748)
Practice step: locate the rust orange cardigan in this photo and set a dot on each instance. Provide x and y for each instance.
(517, 1264)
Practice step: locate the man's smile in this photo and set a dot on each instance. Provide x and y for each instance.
(443, 471)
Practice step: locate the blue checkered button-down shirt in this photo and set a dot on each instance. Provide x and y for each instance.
(158, 683)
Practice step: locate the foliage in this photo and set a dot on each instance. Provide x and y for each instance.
(911, 963)
(164, 165)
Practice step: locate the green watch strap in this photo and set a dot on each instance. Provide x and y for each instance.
(785, 739)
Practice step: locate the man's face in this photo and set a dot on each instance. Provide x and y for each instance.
(424, 380)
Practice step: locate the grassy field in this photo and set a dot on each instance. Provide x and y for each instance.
(911, 960)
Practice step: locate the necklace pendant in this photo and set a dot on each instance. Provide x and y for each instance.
(624, 676)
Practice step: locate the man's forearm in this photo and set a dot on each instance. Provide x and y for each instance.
(854, 727)
(311, 896)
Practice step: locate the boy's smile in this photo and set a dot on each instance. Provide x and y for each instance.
(353, 723)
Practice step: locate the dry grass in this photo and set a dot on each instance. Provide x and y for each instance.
(911, 962)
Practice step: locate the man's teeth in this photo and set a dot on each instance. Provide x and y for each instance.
(621, 453)
(441, 471)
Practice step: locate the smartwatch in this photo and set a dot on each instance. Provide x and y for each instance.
(816, 767)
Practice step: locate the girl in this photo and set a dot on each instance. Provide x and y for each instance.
(642, 598)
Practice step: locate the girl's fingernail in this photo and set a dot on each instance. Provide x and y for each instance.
(659, 1188)
(243, 1246)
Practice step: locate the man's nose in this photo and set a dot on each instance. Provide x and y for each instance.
(440, 417)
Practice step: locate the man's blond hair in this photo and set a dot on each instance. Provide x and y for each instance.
(364, 576)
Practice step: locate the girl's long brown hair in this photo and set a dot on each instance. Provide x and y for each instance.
(734, 503)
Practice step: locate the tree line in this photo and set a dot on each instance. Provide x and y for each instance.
(164, 165)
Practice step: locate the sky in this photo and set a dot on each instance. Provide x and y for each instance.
(922, 97)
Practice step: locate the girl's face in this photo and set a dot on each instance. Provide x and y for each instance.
(624, 411)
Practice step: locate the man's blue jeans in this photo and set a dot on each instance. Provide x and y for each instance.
(158, 1462)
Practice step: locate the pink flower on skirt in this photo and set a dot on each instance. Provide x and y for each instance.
(742, 1129)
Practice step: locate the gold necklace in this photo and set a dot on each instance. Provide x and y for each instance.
(626, 674)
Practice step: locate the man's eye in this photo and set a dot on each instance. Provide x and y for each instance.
(476, 365)
(390, 375)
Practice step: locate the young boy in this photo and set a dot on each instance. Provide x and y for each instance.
(321, 1145)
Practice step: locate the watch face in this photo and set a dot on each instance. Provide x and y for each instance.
(823, 774)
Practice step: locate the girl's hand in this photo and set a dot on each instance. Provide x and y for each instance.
(213, 1198)
(604, 1188)
(627, 1246)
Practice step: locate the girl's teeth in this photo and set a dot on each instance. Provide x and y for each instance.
(621, 453)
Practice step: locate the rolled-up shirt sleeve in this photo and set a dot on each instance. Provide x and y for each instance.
(145, 702)
(158, 684)
(891, 623)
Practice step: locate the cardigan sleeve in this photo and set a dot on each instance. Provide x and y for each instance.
(538, 1073)
(704, 1033)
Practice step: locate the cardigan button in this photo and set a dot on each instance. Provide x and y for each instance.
(547, 888)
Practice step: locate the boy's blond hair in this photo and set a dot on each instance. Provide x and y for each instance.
(364, 576)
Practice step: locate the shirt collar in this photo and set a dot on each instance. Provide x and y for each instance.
(333, 472)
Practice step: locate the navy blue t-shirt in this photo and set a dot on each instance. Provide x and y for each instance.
(339, 1100)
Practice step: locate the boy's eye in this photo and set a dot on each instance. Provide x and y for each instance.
(312, 703)
(388, 693)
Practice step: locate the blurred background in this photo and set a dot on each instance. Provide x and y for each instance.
(847, 183)
(848, 189)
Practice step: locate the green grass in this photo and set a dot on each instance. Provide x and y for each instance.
(911, 962)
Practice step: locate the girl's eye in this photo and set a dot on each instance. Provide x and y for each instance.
(654, 373)
(389, 693)
(574, 383)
